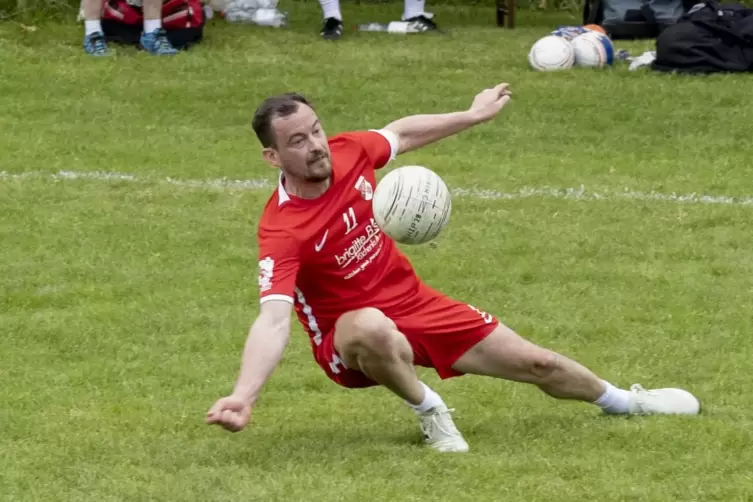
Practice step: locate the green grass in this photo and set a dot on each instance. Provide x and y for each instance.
(124, 305)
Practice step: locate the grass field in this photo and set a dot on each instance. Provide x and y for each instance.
(125, 300)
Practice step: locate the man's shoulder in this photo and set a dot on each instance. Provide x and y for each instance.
(277, 218)
(362, 139)
(374, 148)
(343, 141)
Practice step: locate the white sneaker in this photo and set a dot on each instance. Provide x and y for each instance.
(439, 430)
(662, 402)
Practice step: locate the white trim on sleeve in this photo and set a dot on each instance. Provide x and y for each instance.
(393, 140)
(284, 298)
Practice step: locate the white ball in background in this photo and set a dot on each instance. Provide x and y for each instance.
(551, 53)
(593, 50)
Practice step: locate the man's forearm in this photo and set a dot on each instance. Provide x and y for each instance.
(262, 353)
(416, 131)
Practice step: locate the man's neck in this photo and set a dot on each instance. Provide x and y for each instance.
(305, 189)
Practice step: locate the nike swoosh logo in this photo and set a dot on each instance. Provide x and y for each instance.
(318, 247)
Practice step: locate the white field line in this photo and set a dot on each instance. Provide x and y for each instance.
(545, 192)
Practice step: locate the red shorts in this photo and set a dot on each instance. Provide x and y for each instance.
(439, 329)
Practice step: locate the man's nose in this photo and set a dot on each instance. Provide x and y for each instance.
(317, 144)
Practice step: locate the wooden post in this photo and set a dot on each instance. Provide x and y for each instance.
(506, 12)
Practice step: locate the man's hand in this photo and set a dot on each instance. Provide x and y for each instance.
(416, 131)
(232, 413)
(488, 103)
(266, 341)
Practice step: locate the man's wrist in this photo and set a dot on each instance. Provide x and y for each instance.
(476, 115)
(244, 394)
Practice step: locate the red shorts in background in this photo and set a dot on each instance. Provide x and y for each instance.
(438, 328)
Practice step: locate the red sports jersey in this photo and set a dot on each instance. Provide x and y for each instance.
(327, 255)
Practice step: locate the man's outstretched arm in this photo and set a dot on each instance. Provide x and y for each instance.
(265, 345)
(416, 131)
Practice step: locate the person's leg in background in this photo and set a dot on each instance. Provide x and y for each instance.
(154, 38)
(414, 11)
(332, 28)
(94, 38)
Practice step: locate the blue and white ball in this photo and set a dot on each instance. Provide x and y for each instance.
(593, 50)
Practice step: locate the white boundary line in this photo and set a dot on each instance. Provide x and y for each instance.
(580, 193)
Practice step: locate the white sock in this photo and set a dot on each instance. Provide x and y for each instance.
(431, 399)
(151, 25)
(331, 8)
(614, 400)
(92, 26)
(413, 8)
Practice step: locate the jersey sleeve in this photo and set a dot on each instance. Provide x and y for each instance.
(381, 146)
(279, 261)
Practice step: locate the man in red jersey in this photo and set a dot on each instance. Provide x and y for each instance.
(369, 317)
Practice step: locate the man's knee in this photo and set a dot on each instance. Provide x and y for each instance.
(367, 332)
(507, 355)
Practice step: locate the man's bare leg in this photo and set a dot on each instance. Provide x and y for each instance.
(504, 354)
(367, 341)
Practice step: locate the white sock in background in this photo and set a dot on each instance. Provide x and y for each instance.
(151, 25)
(331, 8)
(92, 26)
(413, 8)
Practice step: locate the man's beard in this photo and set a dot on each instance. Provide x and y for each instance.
(317, 173)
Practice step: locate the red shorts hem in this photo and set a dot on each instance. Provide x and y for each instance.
(447, 371)
(334, 367)
(439, 329)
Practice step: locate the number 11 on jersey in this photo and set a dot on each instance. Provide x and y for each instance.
(350, 220)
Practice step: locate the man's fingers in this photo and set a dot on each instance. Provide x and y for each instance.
(501, 88)
(226, 419)
(216, 408)
(235, 426)
(497, 89)
(214, 415)
(231, 421)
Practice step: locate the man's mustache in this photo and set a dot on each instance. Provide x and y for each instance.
(317, 158)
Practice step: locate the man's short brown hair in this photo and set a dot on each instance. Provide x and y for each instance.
(282, 105)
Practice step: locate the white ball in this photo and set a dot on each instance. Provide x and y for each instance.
(412, 204)
(551, 53)
(593, 50)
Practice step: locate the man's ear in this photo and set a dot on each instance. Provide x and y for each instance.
(271, 157)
